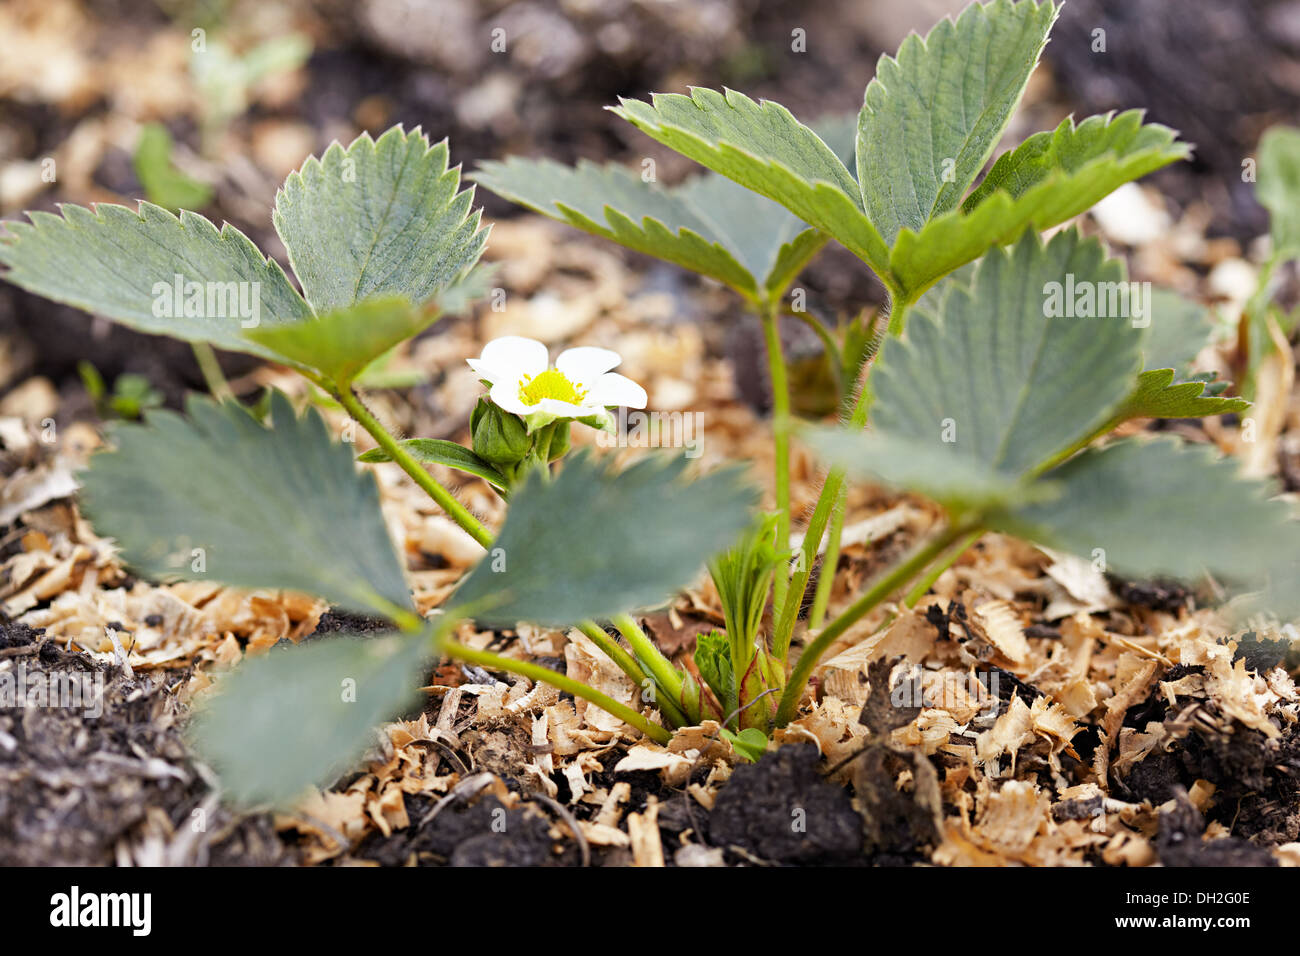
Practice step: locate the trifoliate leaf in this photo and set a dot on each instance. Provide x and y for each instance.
(438, 451)
(762, 147)
(153, 272)
(381, 218)
(300, 716)
(1278, 187)
(1047, 180)
(1013, 370)
(614, 203)
(933, 113)
(594, 542)
(1159, 507)
(1157, 396)
(218, 497)
(341, 342)
(709, 224)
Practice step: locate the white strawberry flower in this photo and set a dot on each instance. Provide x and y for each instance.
(579, 386)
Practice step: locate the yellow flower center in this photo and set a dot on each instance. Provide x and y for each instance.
(550, 384)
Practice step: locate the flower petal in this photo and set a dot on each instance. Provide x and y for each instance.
(560, 409)
(615, 389)
(512, 356)
(585, 364)
(484, 370)
(505, 396)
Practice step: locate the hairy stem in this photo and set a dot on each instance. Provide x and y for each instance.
(894, 579)
(649, 656)
(537, 672)
(457, 512)
(832, 491)
(629, 666)
(769, 313)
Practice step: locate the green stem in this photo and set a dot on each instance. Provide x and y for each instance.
(210, 369)
(537, 672)
(789, 612)
(649, 656)
(831, 493)
(923, 586)
(898, 576)
(826, 580)
(769, 313)
(458, 512)
(629, 666)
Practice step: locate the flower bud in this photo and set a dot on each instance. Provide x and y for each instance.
(499, 437)
(559, 440)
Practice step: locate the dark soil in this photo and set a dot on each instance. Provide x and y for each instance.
(84, 788)
(482, 832)
(780, 810)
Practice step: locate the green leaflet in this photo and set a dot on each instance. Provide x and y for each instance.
(218, 497)
(437, 451)
(932, 114)
(977, 396)
(1051, 182)
(1157, 396)
(340, 343)
(381, 218)
(1159, 507)
(594, 542)
(709, 224)
(125, 266)
(1278, 187)
(614, 203)
(762, 147)
(298, 717)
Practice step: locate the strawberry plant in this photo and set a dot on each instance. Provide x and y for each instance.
(1008, 360)
(998, 386)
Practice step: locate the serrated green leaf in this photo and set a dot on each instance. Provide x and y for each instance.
(1278, 187)
(381, 218)
(594, 542)
(282, 507)
(932, 114)
(709, 224)
(123, 265)
(762, 147)
(1158, 507)
(972, 400)
(299, 717)
(341, 342)
(614, 203)
(1157, 396)
(437, 451)
(770, 242)
(1050, 178)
